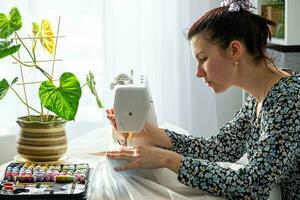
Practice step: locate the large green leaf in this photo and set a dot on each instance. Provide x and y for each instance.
(62, 100)
(15, 19)
(5, 43)
(4, 86)
(91, 83)
(6, 49)
(5, 31)
(11, 24)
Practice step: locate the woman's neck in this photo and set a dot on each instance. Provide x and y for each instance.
(259, 79)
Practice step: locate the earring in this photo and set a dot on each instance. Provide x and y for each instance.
(235, 63)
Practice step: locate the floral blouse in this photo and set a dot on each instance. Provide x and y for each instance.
(271, 140)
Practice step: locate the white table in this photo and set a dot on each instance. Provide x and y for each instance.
(99, 140)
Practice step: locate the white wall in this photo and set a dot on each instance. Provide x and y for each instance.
(226, 103)
(221, 108)
(203, 126)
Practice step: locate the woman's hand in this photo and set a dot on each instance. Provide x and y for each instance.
(144, 133)
(146, 157)
(111, 116)
(152, 134)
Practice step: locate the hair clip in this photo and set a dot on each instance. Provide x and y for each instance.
(236, 5)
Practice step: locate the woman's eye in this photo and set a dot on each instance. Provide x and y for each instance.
(202, 60)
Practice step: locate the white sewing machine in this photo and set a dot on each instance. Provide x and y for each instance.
(133, 105)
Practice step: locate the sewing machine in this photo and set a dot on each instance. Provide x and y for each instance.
(133, 105)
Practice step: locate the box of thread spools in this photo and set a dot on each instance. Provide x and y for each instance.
(32, 181)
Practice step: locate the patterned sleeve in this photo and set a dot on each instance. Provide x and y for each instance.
(272, 158)
(227, 146)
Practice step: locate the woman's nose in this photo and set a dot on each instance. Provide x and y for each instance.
(200, 72)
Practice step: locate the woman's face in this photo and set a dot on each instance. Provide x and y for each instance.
(214, 65)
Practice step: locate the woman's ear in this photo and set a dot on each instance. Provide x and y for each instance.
(236, 49)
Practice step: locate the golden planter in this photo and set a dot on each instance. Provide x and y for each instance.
(41, 140)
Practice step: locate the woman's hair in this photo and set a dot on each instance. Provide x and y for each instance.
(222, 26)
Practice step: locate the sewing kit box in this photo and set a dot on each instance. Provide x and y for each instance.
(23, 181)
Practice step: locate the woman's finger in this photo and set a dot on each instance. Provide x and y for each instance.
(112, 120)
(126, 150)
(121, 156)
(110, 111)
(131, 165)
(110, 116)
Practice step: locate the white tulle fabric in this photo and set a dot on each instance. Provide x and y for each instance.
(146, 184)
(152, 184)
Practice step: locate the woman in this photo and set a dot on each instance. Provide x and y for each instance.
(229, 45)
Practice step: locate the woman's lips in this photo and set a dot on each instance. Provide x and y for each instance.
(208, 82)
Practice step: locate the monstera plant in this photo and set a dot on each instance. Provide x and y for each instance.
(61, 101)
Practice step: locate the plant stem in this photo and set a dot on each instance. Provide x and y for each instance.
(24, 101)
(24, 88)
(24, 46)
(22, 63)
(42, 112)
(33, 59)
(36, 66)
(44, 72)
(33, 51)
(54, 55)
(84, 85)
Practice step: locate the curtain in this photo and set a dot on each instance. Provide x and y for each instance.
(110, 37)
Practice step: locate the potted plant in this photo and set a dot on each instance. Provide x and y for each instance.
(42, 136)
(274, 10)
(278, 3)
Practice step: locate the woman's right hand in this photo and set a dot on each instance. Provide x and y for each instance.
(121, 136)
(111, 117)
(152, 134)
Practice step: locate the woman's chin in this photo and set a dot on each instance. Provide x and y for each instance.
(218, 90)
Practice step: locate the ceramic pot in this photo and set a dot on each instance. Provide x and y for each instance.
(41, 140)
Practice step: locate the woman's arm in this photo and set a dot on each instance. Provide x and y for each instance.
(227, 146)
(273, 158)
(157, 136)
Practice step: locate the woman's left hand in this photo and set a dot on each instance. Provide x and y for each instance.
(147, 157)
